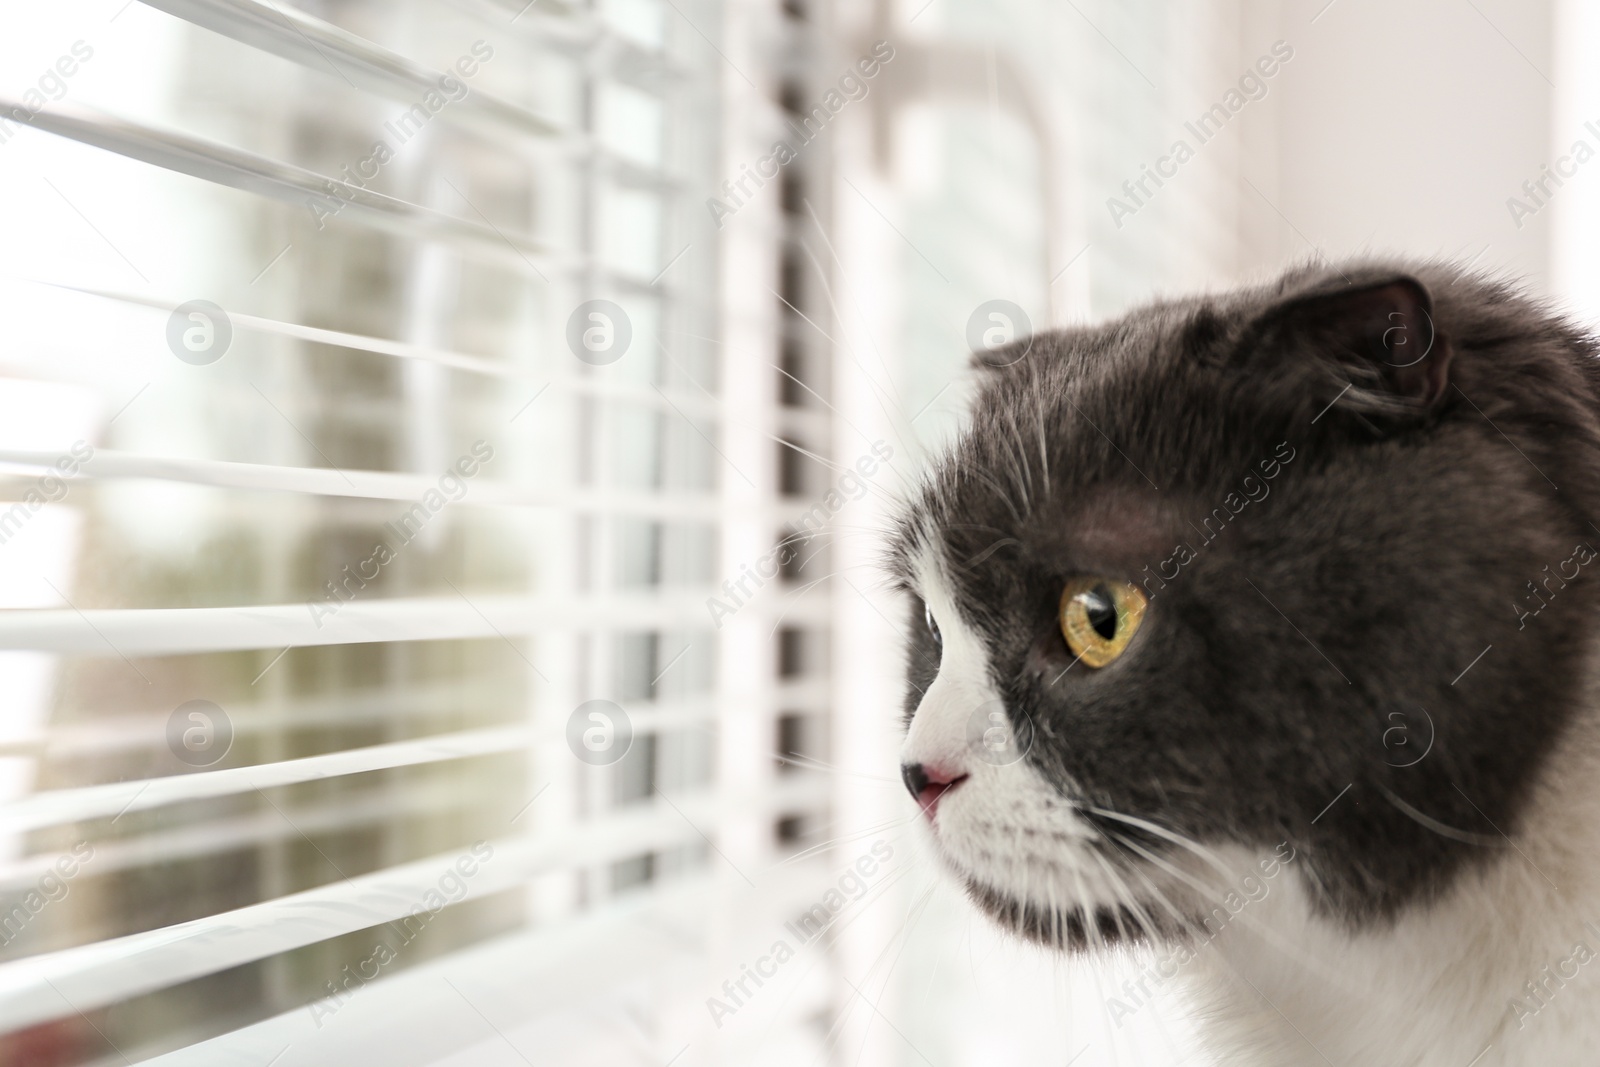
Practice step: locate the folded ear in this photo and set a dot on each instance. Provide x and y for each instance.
(1377, 338)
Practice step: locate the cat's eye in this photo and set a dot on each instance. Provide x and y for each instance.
(933, 627)
(1099, 616)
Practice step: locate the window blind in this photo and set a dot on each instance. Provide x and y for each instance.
(247, 746)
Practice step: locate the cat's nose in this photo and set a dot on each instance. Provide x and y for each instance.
(915, 778)
(927, 784)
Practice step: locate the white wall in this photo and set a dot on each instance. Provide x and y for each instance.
(1404, 127)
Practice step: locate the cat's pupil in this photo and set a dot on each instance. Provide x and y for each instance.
(1102, 611)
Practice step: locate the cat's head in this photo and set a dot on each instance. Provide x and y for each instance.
(1250, 575)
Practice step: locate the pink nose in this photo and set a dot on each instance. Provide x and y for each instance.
(927, 784)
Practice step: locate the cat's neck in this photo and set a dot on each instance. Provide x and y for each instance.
(1504, 969)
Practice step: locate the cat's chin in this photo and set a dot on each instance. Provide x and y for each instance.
(1068, 928)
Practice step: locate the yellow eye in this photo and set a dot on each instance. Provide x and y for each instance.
(1099, 616)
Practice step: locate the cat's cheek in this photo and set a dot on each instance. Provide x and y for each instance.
(1008, 828)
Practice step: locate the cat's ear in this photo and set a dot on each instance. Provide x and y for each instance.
(1376, 339)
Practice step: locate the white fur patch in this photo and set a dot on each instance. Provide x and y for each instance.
(1005, 827)
(1503, 969)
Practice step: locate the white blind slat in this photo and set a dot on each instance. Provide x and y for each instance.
(123, 734)
(232, 835)
(105, 972)
(669, 398)
(414, 1019)
(179, 631)
(57, 806)
(233, 167)
(372, 485)
(326, 48)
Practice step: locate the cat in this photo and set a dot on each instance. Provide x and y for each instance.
(1260, 629)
